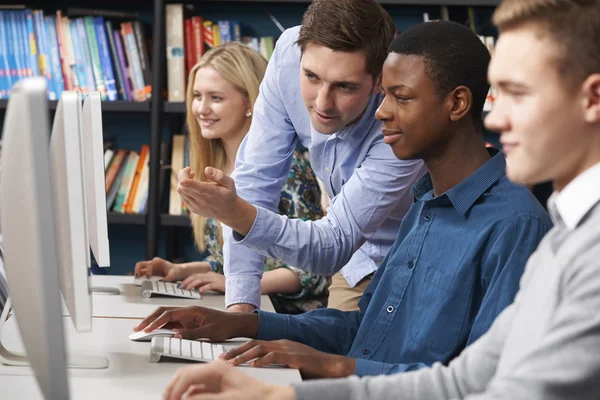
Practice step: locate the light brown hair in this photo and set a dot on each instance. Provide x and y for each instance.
(349, 26)
(573, 24)
(242, 67)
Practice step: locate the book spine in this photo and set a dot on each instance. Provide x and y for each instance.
(127, 182)
(115, 61)
(134, 61)
(198, 33)
(22, 42)
(79, 61)
(4, 67)
(33, 53)
(175, 53)
(113, 170)
(142, 47)
(123, 67)
(18, 67)
(128, 205)
(62, 51)
(59, 85)
(207, 33)
(86, 56)
(90, 30)
(109, 77)
(216, 35)
(225, 31)
(112, 194)
(190, 56)
(236, 31)
(43, 51)
(70, 54)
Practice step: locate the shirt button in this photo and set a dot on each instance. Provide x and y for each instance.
(365, 351)
(390, 309)
(427, 216)
(328, 170)
(410, 264)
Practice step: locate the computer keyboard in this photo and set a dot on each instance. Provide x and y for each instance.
(161, 288)
(192, 350)
(139, 281)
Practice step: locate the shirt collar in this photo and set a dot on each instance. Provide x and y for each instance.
(466, 193)
(365, 123)
(574, 202)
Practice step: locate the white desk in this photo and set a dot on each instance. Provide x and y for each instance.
(130, 374)
(131, 304)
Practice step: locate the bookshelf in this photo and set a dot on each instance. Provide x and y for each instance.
(153, 228)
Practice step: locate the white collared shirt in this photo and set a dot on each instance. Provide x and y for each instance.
(578, 197)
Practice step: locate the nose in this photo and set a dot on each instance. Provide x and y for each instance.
(324, 100)
(383, 113)
(497, 120)
(204, 107)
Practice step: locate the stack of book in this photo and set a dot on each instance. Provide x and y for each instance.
(87, 53)
(127, 177)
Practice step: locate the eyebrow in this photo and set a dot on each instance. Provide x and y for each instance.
(211, 92)
(338, 83)
(511, 84)
(396, 87)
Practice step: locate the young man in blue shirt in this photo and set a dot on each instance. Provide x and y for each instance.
(321, 89)
(460, 250)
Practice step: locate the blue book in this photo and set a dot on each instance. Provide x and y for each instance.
(224, 31)
(79, 62)
(236, 31)
(4, 68)
(86, 54)
(44, 50)
(25, 58)
(105, 59)
(32, 44)
(57, 78)
(16, 48)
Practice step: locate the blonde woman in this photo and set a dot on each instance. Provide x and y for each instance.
(221, 92)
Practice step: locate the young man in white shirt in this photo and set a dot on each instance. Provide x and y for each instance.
(546, 68)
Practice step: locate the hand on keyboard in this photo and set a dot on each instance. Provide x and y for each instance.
(159, 267)
(200, 322)
(161, 288)
(311, 363)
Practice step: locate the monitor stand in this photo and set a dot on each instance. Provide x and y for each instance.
(79, 361)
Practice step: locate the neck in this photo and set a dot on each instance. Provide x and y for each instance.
(459, 159)
(231, 146)
(587, 158)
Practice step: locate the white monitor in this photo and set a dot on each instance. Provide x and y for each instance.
(28, 219)
(93, 146)
(69, 195)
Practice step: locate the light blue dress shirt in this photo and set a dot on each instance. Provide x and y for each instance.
(368, 185)
(455, 266)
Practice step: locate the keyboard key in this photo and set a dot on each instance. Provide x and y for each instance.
(207, 351)
(217, 350)
(167, 345)
(196, 349)
(186, 348)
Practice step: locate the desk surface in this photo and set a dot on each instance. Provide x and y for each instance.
(130, 374)
(131, 304)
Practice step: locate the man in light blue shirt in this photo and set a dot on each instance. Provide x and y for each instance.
(321, 88)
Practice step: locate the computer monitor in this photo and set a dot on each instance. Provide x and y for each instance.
(69, 195)
(30, 257)
(93, 148)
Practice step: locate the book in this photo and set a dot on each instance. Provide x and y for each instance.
(143, 160)
(97, 67)
(175, 53)
(133, 58)
(114, 58)
(123, 66)
(113, 170)
(127, 181)
(140, 41)
(177, 157)
(105, 59)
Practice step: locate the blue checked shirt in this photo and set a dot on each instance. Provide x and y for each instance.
(454, 267)
(368, 185)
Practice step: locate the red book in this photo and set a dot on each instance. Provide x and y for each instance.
(198, 33)
(190, 57)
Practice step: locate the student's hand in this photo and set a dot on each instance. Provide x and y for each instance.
(196, 322)
(204, 282)
(311, 363)
(218, 380)
(217, 199)
(159, 267)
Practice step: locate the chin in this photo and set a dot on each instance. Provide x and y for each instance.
(325, 129)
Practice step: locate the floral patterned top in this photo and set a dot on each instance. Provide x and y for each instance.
(300, 198)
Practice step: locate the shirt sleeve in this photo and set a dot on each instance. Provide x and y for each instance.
(468, 373)
(328, 330)
(503, 265)
(355, 214)
(259, 176)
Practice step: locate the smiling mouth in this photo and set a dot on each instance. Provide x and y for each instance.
(323, 116)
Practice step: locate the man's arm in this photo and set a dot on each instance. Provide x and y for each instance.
(262, 165)
(355, 214)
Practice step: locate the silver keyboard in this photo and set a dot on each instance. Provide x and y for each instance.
(161, 288)
(192, 350)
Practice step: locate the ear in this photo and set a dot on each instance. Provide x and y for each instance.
(377, 87)
(591, 99)
(460, 102)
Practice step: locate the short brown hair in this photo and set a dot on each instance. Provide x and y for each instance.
(573, 24)
(349, 26)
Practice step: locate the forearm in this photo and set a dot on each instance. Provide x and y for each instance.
(281, 280)
(241, 217)
(327, 330)
(194, 267)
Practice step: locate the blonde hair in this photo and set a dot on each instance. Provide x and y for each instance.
(242, 67)
(573, 24)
